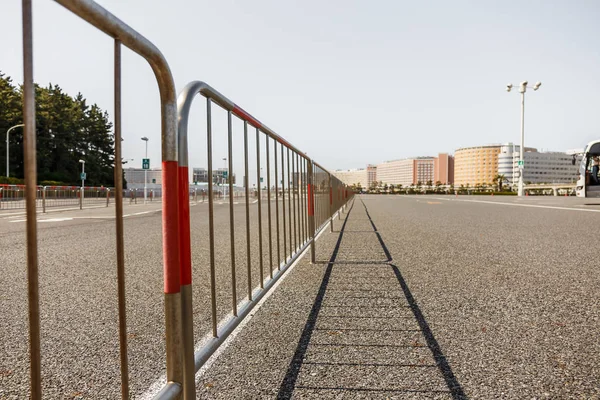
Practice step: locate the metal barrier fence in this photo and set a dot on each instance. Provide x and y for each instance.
(306, 193)
(12, 197)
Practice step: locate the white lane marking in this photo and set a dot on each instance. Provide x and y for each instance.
(46, 220)
(160, 382)
(55, 219)
(518, 205)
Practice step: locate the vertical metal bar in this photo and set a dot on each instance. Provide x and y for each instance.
(299, 193)
(304, 202)
(29, 150)
(300, 200)
(311, 211)
(289, 203)
(43, 199)
(329, 185)
(231, 222)
(119, 229)
(301, 206)
(269, 207)
(246, 179)
(294, 186)
(277, 205)
(260, 253)
(211, 225)
(283, 204)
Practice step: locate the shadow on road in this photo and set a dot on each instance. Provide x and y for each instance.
(369, 324)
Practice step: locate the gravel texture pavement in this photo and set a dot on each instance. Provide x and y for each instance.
(422, 297)
(412, 297)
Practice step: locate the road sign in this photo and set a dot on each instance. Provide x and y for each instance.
(225, 174)
(145, 163)
(153, 180)
(83, 176)
(520, 162)
(261, 179)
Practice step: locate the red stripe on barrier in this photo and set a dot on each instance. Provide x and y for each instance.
(185, 248)
(311, 206)
(330, 195)
(170, 228)
(246, 117)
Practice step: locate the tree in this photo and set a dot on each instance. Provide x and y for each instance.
(67, 130)
(429, 183)
(499, 180)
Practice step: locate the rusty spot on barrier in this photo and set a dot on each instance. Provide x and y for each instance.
(434, 202)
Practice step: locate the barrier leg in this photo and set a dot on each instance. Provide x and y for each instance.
(311, 212)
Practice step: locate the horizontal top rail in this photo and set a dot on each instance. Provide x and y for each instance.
(114, 27)
(184, 103)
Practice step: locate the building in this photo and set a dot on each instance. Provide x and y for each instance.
(443, 169)
(135, 177)
(371, 174)
(353, 177)
(200, 175)
(412, 171)
(540, 167)
(476, 165)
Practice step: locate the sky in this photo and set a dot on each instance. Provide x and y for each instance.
(348, 82)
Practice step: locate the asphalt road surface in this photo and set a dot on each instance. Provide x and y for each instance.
(426, 297)
(414, 297)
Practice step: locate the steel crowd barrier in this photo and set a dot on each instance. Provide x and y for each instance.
(122, 35)
(307, 205)
(308, 196)
(12, 197)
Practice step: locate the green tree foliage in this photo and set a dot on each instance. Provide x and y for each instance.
(67, 130)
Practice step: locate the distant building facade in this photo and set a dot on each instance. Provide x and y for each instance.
(354, 177)
(135, 178)
(540, 167)
(411, 171)
(476, 165)
(443, 169)
(200, 175)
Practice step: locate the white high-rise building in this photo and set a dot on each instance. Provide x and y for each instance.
(540, 167)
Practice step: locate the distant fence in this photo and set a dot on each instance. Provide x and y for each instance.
(12, 197)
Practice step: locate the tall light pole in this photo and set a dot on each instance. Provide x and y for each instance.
(7, 154)
(145, 139)
(82, 180)
(522, 89)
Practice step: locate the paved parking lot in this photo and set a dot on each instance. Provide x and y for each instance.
(414, 297)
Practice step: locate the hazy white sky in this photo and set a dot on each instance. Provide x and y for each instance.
(349, 82)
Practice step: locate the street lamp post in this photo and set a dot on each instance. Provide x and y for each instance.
(7, 153)
(522, 89)
(82, 182)
(145, 139)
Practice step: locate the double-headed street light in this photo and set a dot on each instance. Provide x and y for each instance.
(145, 139)
(7, 154)
(522, 89)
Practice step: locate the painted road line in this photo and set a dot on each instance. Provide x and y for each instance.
(521, 205)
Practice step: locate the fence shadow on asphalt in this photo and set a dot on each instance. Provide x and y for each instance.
(289, 382)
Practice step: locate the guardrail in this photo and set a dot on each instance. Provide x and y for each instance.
(12, 197)
(309, 194)
(307, 203)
